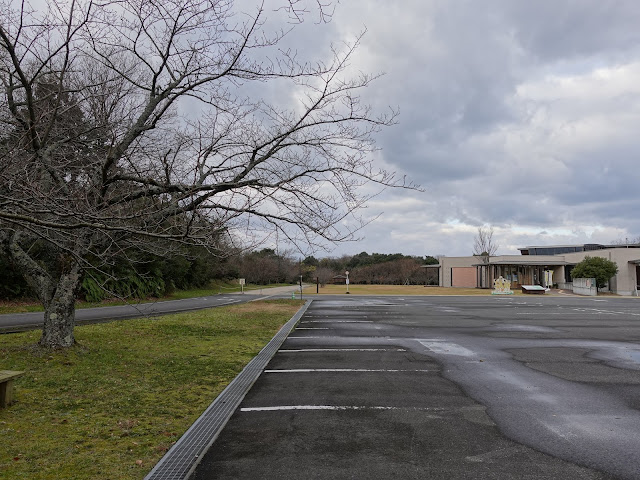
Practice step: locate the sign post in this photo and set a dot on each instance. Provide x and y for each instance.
(242, 282)
(347, 281)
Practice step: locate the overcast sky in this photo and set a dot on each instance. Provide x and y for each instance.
(517, 114)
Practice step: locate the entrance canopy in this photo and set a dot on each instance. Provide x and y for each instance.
(520, 270)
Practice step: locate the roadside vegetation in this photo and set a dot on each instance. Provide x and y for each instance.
(114, 403)
(200, 274)
(216, 287)
(595, 267)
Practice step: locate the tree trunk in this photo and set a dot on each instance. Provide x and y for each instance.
(60, 313)
(56, 293)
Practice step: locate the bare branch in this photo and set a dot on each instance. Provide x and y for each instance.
(134, 126)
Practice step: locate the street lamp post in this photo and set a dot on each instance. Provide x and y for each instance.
(347, 281)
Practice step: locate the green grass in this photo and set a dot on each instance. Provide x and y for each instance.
(19, 306)
(23, 306)
(111, 406)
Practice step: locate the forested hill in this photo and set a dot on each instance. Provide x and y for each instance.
(146, 275)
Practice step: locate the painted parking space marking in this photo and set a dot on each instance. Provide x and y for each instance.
(339, 370)
(557, 315)
(300, 350)
(316, 337)
(335, 407)
(597, 311)
(336, 321)
(313, 328)
(387, 305)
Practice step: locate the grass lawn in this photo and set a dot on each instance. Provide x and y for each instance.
(23, 306)
(398, 290)
(112, 405)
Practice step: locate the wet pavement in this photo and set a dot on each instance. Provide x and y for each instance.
(444, 387)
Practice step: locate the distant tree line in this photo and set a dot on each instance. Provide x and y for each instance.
(375, 268)
(193, 267)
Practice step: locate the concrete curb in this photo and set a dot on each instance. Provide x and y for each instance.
(182, 459)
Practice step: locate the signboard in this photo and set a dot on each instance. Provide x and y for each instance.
(241, 281)
(501, 286)
(548, 277)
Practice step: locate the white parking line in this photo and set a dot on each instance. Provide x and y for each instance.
(319, 336)
(336, 321)
(332, 407)
(604, 312)
(312, 328)
(311, 370)
(386, 305)
(342, 350)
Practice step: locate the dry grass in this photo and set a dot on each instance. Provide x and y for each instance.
(32, 305)
(397, 290)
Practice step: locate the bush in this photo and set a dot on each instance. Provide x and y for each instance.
(12, 285)
(126, 283)
(595, 267)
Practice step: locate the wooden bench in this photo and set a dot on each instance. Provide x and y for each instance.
(6, 386)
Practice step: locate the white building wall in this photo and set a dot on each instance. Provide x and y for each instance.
(624, 282)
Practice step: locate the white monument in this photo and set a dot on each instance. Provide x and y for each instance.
(501, 286)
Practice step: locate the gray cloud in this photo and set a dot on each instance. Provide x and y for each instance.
(514, 113)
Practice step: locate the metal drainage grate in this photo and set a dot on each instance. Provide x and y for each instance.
(181, 460)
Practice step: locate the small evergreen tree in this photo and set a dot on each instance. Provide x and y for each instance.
(595, 267)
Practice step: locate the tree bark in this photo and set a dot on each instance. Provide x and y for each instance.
(57, 296)
(60, 314)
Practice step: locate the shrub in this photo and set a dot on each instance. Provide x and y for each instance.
(595, 267)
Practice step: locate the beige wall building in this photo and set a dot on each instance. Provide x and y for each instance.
(542, 266)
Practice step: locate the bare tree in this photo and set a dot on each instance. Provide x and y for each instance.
(135, 124)
(483, 244)
(626, 241)
(324, 275)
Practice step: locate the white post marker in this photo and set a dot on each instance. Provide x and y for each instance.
(347, 280)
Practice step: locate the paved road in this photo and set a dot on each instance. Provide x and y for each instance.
(444, 387)
(25, 321)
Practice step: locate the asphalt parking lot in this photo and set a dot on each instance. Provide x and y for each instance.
(447, 388)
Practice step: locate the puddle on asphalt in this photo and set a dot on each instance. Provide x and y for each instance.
(446, 348)
(634, 356)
